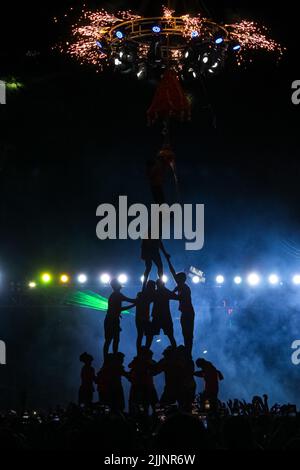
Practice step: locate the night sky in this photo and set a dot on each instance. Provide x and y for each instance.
(72, 139)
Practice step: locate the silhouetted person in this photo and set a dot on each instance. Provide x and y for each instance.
(142, 393)
(186, 308)
(150, 253)
(186, 388)
(86, 389)
(142, 315)
(167, 365)
(161, 313)
(211, 377)
(112, 320)
(109, 382)
(156, 169)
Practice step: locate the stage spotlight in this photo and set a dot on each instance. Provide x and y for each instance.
(46, 278)
(220, 279)
(156, 29)
(141, 73)
(238, 280)
(273, 279)
(236, 47)
(32, 285)
(194, 34)
(119, 34)
(219, 40)
(99, 44)
(82, 278)
(122, 278)
(205, 58)
(64, 279)
(196, 279)
(253, 279)
(296, 279)
(164, 279)
(105, 278)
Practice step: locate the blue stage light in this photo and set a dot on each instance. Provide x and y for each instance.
(194, 34)
(156, 29)
(219, 40)
(238, 280)
(119, 34)
(236, 47)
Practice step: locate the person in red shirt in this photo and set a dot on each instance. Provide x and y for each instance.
(211, 376)
(86, 390)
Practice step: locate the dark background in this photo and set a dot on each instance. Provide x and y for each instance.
(72, 139)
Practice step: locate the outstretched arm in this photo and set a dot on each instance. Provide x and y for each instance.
(127, 307)
(127, 299)
(171, 267)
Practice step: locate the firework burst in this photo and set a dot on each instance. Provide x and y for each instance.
(253, 37)
(93, 37)
(87, 32)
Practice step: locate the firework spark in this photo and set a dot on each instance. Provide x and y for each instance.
(251, 36)
(85, 43)
(168, 13)
(192, 25)
(91, 37)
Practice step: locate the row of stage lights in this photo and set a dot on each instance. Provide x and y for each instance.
(252, 279)
(157, 29)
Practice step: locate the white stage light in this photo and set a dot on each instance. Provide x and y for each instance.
(296, 279)
(82, 278)
(253, 279)
(196, 279)
(105, 278)
(273, 279)
(122, 278)
(238, 280)
(220, 279)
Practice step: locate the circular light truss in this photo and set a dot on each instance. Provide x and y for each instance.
(148, 45)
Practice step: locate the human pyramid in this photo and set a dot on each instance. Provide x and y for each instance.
(177, 363)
